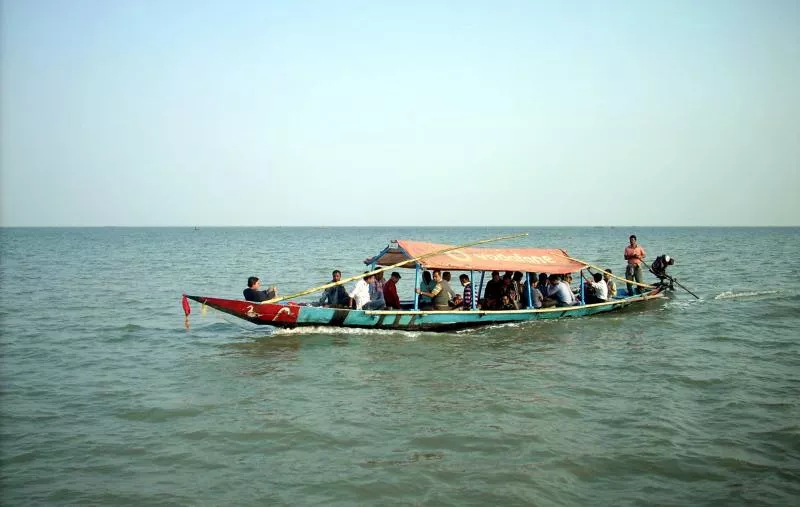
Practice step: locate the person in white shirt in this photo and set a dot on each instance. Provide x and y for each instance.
(361, 297)
(598, 290)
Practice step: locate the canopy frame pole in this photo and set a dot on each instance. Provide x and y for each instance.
(416, 286)
(480, 287)
(472, 292)
(583, 286)
(530, 293)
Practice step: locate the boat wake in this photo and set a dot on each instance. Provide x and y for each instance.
(336, 331)
(738, 295)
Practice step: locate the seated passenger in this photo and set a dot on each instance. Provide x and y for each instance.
(457, 302)
(425, 287)
(542, 285)
(535, 293)
(376, 290)
(467, 298)
(335, 296)
(516, 281)
(559, 293)
(446, 285)
(438, 295)
(251, 293)
(360, 295)
(390, 291)
(510, 291)
(597, 289)
(612, 287)
(507, 304)
(493, 292)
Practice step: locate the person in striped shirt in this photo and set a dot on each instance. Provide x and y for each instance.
(466, 302)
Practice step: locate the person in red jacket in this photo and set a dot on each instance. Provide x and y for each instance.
(390, 291)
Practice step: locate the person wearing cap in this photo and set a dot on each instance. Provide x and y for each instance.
(659, 266)
(390, 291)
(251, 293)
(635, 255)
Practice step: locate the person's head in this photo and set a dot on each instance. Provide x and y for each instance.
(253, 282)
(495, 275)
(597, 277)
(464, 279)
(457, 300)
(568, 278)
(553, 279)
(607, 274)
(669, 260)
(506, 299)
(368, 278)
(379, 276)
(426, 276)
(337, 275)
(437, 275)
(517, 276)
(446, 276)
(632, 239)
(508, 273)
(395, 276)
(542, 278)
(506, 279)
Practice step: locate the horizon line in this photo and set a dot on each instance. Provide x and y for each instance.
(382, 226)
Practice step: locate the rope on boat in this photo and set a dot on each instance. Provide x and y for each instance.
(612, 275)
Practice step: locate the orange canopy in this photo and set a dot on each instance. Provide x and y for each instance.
(538, 260)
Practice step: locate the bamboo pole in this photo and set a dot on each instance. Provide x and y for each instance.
(403, 263)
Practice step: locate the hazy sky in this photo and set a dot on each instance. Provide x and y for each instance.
(145, 112)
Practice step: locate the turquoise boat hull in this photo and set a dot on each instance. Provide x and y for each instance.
(291, 315)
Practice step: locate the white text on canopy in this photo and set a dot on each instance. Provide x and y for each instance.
(462, 256)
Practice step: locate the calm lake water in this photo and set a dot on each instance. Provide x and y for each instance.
(107, 399)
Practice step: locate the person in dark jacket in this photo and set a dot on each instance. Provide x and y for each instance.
(659, 266)
(252, 292)
(335, 296)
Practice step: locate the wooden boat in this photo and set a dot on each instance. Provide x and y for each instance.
(418, 255)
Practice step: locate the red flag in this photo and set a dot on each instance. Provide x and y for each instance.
(186, 308)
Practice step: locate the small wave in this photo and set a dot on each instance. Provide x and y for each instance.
(735, 295)
(159, 414)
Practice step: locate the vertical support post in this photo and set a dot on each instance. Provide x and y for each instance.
(416, 286)
(472, 282)
(480, 287)
(583, 285)
(530, 293)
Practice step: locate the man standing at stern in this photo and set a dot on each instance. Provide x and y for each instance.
(635, 255)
